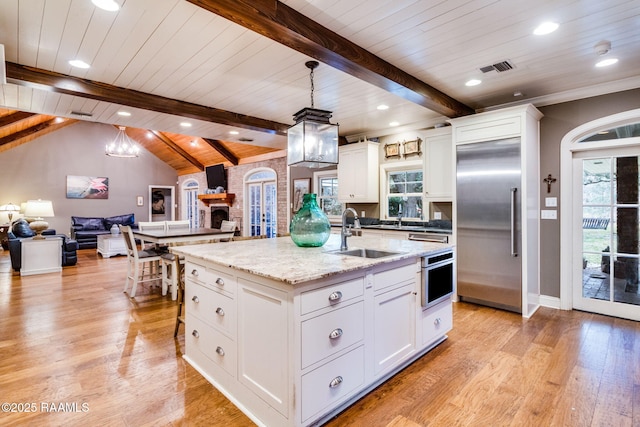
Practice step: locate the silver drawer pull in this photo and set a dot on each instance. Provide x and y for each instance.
(219, 311)
(195, 333)
(219, 281)
(195, 299)
(194, 272)
(335, 382)
(335, 296)
(220, 351)
(336, 333)
(437, 321)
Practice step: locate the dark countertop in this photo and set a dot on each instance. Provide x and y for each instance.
(437, 226)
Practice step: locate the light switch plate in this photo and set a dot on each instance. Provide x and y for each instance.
(437, 215)
(549, 214)
(551, 202)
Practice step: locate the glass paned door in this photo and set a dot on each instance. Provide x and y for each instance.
(610, 236)
(262, 209)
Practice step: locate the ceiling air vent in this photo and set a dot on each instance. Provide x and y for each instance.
(498, 67)
(81, 114)
(243, 139)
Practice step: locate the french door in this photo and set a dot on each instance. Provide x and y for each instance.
(606, 232)
(262, 206)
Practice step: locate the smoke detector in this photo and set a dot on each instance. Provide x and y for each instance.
(602, 47)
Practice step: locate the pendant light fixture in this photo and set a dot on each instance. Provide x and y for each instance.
(122, 145)
(312, 141)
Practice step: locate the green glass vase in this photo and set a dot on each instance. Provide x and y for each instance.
(310, 226)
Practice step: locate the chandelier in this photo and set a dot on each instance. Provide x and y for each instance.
(122, 145)
(313, 141)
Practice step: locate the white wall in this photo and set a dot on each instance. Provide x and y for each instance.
(39, 169)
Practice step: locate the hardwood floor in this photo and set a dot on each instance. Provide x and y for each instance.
(77, 339)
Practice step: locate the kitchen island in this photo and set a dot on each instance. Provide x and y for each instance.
(294, 335)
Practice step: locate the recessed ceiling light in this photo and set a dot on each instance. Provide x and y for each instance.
(124, 113)
(545, 28)
(185, 124)
(394, 124)
(78, 63)
(194, 143)
(606, 62)
(234, 132)
(108, 5)
(382, 107)
(473, 82)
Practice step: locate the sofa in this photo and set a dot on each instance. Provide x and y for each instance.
(20, 230)
(85, 230)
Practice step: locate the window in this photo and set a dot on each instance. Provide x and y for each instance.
(326, 186)
(190, 203)
(404, 194)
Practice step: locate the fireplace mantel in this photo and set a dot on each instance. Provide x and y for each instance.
(223, 198)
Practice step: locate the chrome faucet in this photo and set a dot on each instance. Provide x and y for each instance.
(400, 215)
(346, 232)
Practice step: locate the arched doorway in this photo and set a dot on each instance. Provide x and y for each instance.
(260, 203)
(190, 203)
(600, 226)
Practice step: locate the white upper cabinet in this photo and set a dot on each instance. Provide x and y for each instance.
(438, 165)
(358, 173)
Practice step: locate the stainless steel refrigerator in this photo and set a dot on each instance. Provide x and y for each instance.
(489, 223)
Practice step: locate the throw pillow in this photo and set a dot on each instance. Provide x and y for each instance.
(21, 229)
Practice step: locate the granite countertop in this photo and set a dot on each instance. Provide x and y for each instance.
(280, 259)
(436, 226)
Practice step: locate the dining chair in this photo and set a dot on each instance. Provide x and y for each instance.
(175, 225)
(136, 260)
(149, 226)
(228, 225)
(170, 263)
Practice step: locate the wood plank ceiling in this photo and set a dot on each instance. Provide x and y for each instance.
(238, 65)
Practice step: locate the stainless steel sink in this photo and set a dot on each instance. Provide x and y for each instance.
(365, 253)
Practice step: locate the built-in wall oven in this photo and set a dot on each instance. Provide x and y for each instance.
(437, 277)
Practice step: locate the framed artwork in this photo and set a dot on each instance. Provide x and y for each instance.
(139, 201)
(300, 188)
(87, 187)
(412, 147)
(392, 150)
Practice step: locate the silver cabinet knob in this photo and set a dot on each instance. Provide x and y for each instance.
(220, 351)
(335, 382)
(335, 296)
(194, 272)
(336, 333)
(219, 311)
(195, 333)
(219, 281)
(437, 321)
(195, 299)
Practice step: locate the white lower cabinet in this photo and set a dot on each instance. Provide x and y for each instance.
(296, 355)
(436, 321)
(394, 323)
(332, 381)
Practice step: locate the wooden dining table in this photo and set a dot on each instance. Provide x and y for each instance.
(183, 235)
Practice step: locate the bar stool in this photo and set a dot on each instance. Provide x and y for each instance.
(179, 314)
(170, 265)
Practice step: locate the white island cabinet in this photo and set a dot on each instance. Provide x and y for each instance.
(294, 335)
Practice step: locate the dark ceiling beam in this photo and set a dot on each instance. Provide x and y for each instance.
(55, 82)
(285, 25)
(14, 118)
(175, 147)
(32, 131)
(216, 145)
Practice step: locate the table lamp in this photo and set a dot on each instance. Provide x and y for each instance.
(38, 209)
(10, 208)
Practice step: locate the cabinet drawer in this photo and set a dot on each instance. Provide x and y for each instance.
(489, 129)
(216, 346)
(329, 383)
(324, 335)
(212, 278)
(436, 322)
(212, 307)
(388, 278)
(329, 296)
